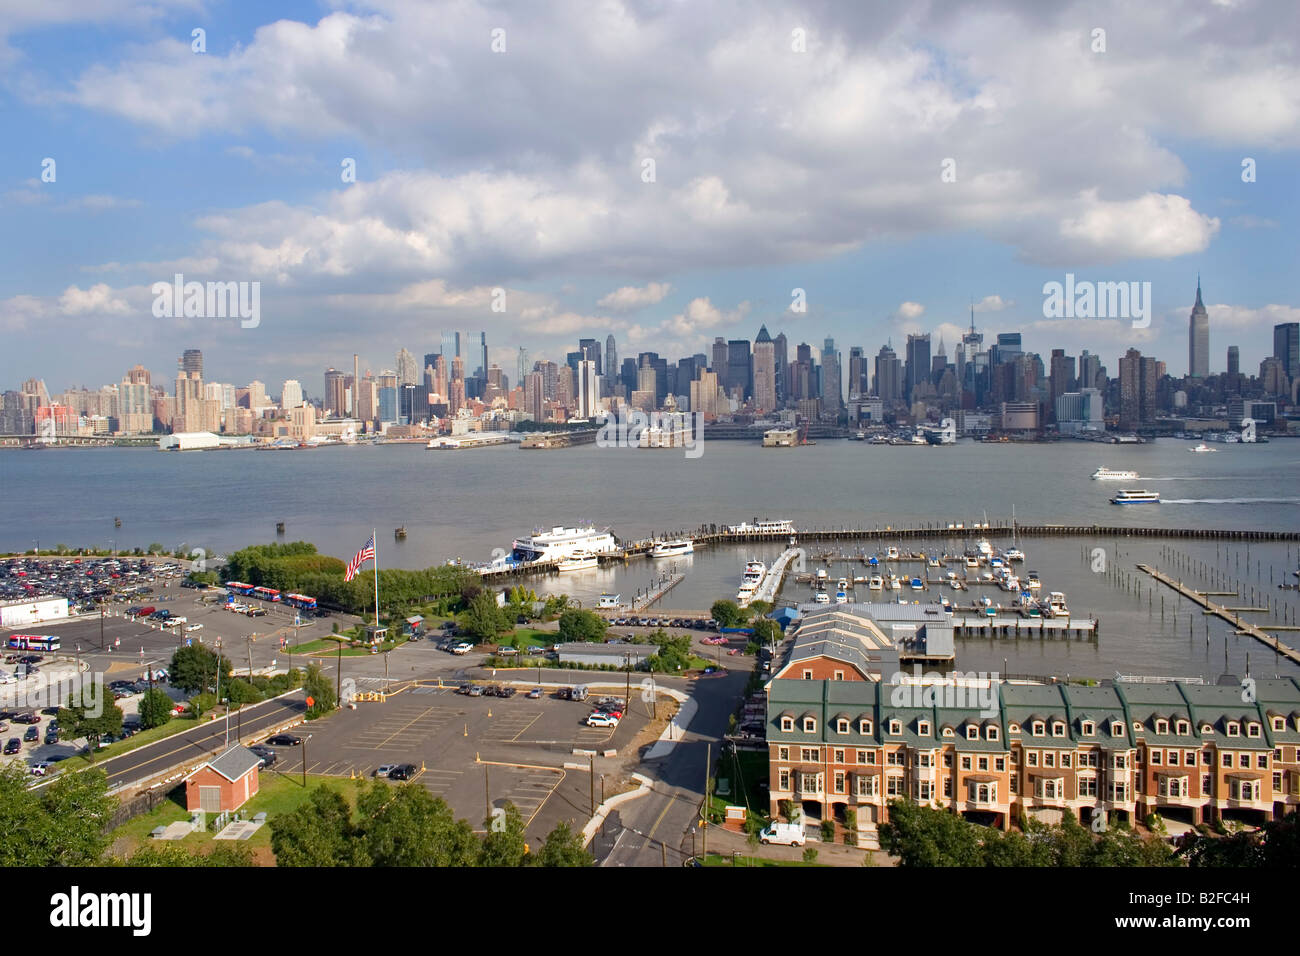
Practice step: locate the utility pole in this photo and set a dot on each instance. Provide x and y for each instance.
(592, 766)
(704, 834)
(338, 677)
(487, 794)
(304, 762)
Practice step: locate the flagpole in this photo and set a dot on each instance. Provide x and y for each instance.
(375, 538)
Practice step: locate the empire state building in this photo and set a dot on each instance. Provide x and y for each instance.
(1198, 338)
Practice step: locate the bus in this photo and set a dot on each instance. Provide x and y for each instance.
(235, 587)
(266, 594)
(300, 601)
(34, 642)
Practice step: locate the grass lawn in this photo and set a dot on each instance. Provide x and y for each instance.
(279, 793)
(716, 859)
(176, 725)
(531, 637)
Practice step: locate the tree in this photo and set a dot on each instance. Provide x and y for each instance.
(926, 837)
(483, 620)
(674, 653)
(504, 844)
(317, 833)
(563, 847)
(1276, 844)
(579, 625)
(59, 825)
(767, 631)
(155, 709)
(320, 689)
(89, 715)
(194, 668)
(409, 826)
(757, 609)
(727, 614)
(227, 854)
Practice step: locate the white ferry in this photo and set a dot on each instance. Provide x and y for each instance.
(561, 543)
(581, 561)
(1105, 474)
(1201, 449)
(673, 549)
(1136, 498)
(762, 527)
(750, 581)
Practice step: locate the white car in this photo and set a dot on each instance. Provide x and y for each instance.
(383, 770)
(7, 678)
(462, 648)
(41, 768)
(602, 720)
(194, 627)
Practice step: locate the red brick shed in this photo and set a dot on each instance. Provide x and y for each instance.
(226, 782)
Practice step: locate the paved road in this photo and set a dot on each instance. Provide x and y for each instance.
(209, 738)
(650, 829)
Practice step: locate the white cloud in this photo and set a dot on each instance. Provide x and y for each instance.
(1151, 226)
(909, 311)
(631, 297)
(993, 303)
(699, 317)
(98, 299)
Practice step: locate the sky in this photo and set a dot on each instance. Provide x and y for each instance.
(665, 171)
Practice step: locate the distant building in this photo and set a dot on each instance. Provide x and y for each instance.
(224, 783)
(1198, 338)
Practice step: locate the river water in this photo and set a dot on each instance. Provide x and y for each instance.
(464, 504)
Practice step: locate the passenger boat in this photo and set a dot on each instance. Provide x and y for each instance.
(750, 581)
(1105, 474)
(1136, 498)
(562, 542)
(579, 561)
(672, 549)
(1201, 449)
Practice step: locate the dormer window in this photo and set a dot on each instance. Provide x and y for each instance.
(864, 727)
(1207, 728)
(895, 727)
(1039, 728)
(1117, 729)
(1234, 730)
(1014, 728)
(1162, 726)
(972, 732)
(1279, 723)
(810, 725)
(1183, 728)
(991, 732)
(842, 726)
(1058, 729)
(947, 732)
(787, 723)
(923, 728)
(1087, 728)
(1253, 729)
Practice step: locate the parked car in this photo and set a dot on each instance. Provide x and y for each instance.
(507, 692)
(13, 745)
(462, 648)
(384, 769)
(601, 720)
(475, 690)
(284, 740)
(786, 834)
(406, 771)
(41, 768)
(27, 718)
(535, 693)
(32, 735)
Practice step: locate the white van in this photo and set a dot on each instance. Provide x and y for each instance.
(787, 834)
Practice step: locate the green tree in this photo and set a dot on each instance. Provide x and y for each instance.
(1276, 844)
(504, 844)
(483, 620)
(228, 854)
(674, 653)
(926, 837)
(155, 709)
(727, 614)
(757, 609)
(563, 847)
(767, 631)
(194, 668)
(579, 625)
(321, 690)
(91, 715)
(239, 691)
(59, 825)
(408, 826)
(317, 833)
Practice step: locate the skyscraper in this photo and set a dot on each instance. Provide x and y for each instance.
(719, 361)
(1198, 338)
(1286, 346)
(857, 372)
(832, 393)
(522, 368)
(1234, 355)
(917, 366)
(781, 358)
(591, 352)
(611, 357)
(192, 362)
(588, 389)
(764, 372)
(1137, 389)
(407, 372)
(740, 373)
(336, 392)
(291, 394)
(889, 384)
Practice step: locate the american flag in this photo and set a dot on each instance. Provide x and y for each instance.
(364, 555)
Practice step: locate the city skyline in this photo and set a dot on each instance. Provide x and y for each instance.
(371, 227)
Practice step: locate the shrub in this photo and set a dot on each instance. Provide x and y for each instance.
(828, 831)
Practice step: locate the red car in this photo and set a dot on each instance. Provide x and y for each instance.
(145, 611)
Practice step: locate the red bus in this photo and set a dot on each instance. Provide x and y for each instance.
(301, 601)
(266, 594)
(34, 642)
(236, 587)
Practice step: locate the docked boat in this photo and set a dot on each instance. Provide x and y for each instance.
(841, 597)
(1201, 449)
(750, 581)
(932, 562)
(891, 554)
(842, 584)
(764, 526)
(821, 597)
(580, 561)
(894, 583)
(917, 584)
(1105, 474)
(561, 543)
(672, 549)
(972, 561)
(1014, 554)
(1033, 582)
(1132, 497)
(1056, 604)
(985, 549)
(876, 583)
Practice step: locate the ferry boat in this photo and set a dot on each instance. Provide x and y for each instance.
(561, 543)
(762, 527)
(1136, 498)
(1105, 474)
(750, 581)
(579, 561)
(876, 583)
(673, 549)
(1201, 449)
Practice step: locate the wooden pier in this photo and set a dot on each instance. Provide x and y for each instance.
(1012, 626)
(1231, 615)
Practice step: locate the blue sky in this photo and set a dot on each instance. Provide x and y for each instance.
(522, 170)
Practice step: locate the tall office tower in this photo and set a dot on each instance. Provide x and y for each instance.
(591, 352)
(1137, 389)
(367, 399)
(645, 379)
(481, 371)
(450, 346)
(1089, 369)
(564, 386)
(535, 396)
(628, 374)
(522, 367)
(916, 368)
(352, 386)
(1198, 338)
(588, 389)
(832, 392)
(336, 393)
(1061, 379)
(1273, 378)
(458, 373)
(135, 405)
(290, 394)
(138, 375)
(781, 360)
(497, 379)
(740, 370)
(938, 364)
(408, 373)
(704, 394)
(889, 375)
(192, 362)
(431, 360)
(764, 372)
(858, 385)
(188, 413)
(610, 368)
(1286, 346)
(1234, 357)
(719, 361)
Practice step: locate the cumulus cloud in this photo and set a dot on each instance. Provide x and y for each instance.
(631, 297)
(993, 303)
(1150, 226)
(99, 299)
(700, 318)
(908, 311)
